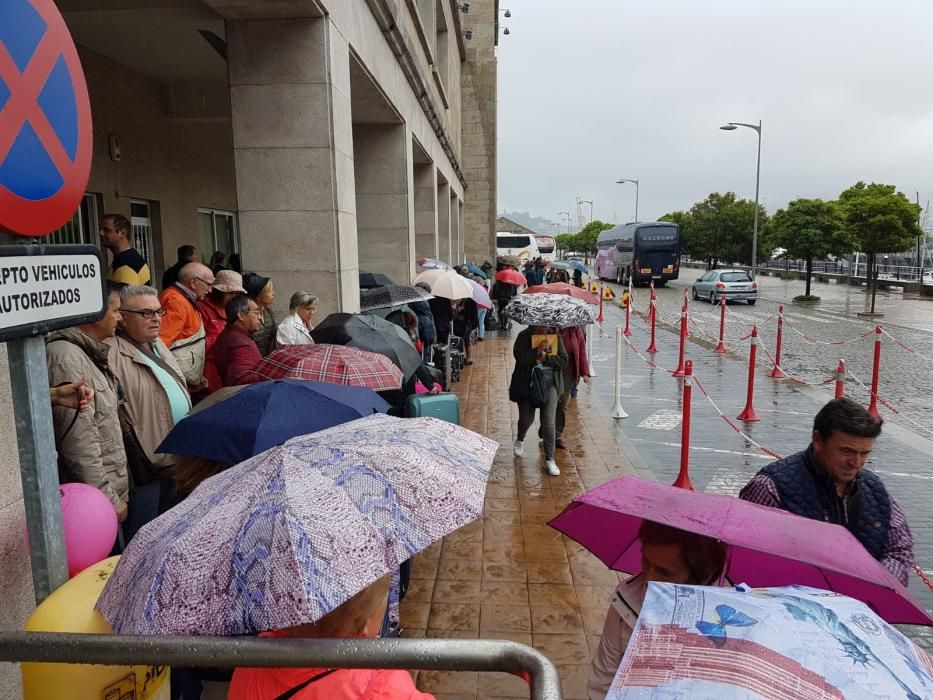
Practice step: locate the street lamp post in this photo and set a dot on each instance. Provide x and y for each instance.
(623, 180)
(567, 214)
(732, 126)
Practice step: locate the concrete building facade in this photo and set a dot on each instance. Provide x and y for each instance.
(314, 138)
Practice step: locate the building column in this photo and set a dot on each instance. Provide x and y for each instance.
(425, 186)
(444, 249)
(456, 235)
(384, 220)
(293, 152)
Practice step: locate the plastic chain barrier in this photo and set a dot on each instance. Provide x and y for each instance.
(905, 346)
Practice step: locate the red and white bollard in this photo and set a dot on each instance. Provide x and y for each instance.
(683, 478)
(748, 413)
(599, 319)
(875, 372)
(679, 372)
(628, 309)
(653, 318)
(840, 380)
(776, 371)
(721, 348)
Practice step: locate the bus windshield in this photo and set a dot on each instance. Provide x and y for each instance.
(513, 241)
(545, 244)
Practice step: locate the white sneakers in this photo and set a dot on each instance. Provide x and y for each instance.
(550, 465)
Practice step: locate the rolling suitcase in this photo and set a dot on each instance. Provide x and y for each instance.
(443, 406)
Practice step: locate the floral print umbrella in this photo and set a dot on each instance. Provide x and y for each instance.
(283, 538)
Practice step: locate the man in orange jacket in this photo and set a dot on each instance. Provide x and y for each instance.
(182, 328)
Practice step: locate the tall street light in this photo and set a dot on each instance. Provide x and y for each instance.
(623, 180)
(732, 126)
(567, 214)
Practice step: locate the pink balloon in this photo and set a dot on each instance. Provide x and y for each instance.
(90, 525)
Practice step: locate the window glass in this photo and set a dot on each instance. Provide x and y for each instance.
(735, 277)
(513, 241)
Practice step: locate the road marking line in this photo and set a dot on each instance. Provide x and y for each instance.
(706, 449)
(663, 419)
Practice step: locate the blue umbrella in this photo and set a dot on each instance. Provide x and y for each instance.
(260, 416)
(476, 270)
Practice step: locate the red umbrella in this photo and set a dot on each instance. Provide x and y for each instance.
(511, 277)
(564, 288)
(336, 364)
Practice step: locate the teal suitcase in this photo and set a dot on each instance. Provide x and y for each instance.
(444, 406)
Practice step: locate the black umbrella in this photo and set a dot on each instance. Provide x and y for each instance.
(371, 333)
(391, 295)
(368, 280)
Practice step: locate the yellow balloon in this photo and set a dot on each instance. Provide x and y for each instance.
(71, 609)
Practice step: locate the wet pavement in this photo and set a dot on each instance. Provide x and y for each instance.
(509, 576)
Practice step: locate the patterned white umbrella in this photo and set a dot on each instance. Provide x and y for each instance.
(550, 310)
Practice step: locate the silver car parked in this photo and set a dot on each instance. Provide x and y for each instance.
(730, 285)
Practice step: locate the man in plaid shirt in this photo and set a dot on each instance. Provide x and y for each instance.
(828, 481)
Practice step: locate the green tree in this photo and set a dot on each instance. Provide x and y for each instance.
(720, 229)
(586, 238)
(809, 229)
(879, 219)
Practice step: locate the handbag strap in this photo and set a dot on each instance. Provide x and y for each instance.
(298, 688)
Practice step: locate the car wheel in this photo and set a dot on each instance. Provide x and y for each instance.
(712, 299)
(751, 302)
(695, 295)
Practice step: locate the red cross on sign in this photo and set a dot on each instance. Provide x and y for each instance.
(45, 120)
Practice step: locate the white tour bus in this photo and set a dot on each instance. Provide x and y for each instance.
(547, 247)
(521, 245)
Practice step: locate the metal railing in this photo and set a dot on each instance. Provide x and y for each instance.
(230, 652)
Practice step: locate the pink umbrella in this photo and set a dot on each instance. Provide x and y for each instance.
(768, 547)
(480, 295)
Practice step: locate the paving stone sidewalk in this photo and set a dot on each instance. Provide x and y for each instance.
(510, 576)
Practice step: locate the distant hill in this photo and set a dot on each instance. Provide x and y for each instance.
(538, 224)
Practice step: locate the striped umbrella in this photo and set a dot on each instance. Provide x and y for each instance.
(336, 364)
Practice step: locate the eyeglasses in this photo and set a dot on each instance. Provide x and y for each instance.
(209, 283)
(147, 314)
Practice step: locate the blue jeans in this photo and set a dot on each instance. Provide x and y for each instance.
(481, 316)
(147, 503)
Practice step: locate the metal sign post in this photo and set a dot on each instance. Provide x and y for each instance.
(38, 463)
(46, 143)
(43, 288)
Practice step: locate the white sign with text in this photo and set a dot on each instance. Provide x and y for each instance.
(42, 292)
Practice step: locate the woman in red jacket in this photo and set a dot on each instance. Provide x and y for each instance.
(227, 284)
(360, 616)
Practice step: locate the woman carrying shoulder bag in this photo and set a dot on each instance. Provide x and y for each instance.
(537, 383)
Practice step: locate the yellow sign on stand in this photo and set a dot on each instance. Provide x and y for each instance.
(70, 608)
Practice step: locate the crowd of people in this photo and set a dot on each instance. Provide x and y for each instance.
(119, 385)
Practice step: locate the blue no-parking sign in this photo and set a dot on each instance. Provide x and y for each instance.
(45, 120)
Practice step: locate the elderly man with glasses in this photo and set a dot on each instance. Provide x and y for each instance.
(155, 397)
(183, 328)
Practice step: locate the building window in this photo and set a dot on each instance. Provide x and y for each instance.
(442, 48)
(217, 232)
(81, 229)
(141, 223)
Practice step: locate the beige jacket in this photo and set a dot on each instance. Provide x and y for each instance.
(147, 403)
(91, 451)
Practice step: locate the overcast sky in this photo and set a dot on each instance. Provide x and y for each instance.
(594, 90)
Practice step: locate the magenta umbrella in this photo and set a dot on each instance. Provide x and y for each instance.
(768, 547)
(480, 295)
